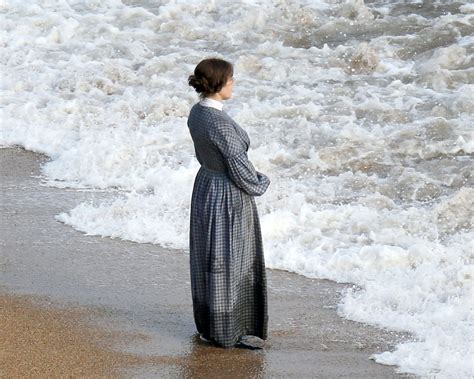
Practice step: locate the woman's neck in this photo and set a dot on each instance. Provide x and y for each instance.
(215, 96)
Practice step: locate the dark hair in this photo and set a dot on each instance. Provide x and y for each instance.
(210, 75)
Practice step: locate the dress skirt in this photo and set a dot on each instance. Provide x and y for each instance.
(226, 260)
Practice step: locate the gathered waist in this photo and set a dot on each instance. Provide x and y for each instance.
(212, 172)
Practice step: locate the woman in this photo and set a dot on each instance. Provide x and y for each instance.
(226, 253)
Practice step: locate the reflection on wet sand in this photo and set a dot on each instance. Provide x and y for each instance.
(206, 361)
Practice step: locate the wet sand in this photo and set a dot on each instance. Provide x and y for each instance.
(106, 307)
(42, 341)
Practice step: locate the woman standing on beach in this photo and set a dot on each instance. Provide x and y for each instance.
(226, 254)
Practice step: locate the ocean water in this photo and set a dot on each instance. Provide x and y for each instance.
(361, 114)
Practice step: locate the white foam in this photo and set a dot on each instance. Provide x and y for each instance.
(371, 169)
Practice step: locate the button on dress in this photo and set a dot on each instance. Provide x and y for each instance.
(228, 281)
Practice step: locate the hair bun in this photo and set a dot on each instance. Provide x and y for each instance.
(210, 75)
(198, 83)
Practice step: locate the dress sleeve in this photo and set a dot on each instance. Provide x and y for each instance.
(241, 170)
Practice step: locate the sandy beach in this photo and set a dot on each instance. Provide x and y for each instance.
(39, 340)
(76, 305)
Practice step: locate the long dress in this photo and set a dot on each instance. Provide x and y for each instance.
(226, 253)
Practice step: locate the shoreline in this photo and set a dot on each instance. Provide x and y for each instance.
(143, 290)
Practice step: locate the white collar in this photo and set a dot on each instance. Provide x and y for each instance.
(208, 102)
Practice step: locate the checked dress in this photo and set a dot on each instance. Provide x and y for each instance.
(228, 281)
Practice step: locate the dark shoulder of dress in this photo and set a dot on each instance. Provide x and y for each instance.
(221, 145)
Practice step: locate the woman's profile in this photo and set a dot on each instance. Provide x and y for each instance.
(228, 281)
